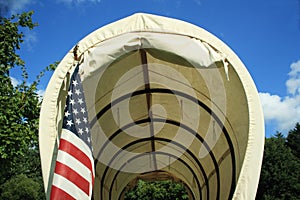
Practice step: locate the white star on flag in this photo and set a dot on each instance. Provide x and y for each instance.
(74, 83)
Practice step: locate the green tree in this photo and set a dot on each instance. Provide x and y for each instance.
(19, 114)
(280, 172)
(293, 140)
(20, 187)
(19, 104)
(157, 190)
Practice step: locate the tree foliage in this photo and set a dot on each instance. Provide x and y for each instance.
(157, 190)
(280, 172)
(293, 140)
(20, 187)
(11, 38)
(19, 104)
(19, 113)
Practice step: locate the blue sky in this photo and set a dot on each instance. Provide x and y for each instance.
(264, 34)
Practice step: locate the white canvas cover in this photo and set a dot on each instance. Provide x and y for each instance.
(166, 100)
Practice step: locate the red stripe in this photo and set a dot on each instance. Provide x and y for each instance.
(72, 176)
(59, 194)
(71, 149)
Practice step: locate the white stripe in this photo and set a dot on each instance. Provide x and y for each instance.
(70, 188)
(71, 137)
(74, 164)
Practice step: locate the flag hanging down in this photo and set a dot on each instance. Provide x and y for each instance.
(74, 168)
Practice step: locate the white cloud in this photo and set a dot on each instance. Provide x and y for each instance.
(30, 39)
(13, 6)
(41, 94)
(293, 84)
(284, 111)
(18, 5)
(14, 81)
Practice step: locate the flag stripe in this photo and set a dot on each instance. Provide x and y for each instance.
(71, 149)
(68, 187)
(73, 176)
(73, 163)
(71, 137)
(73, 145)
(59, 194)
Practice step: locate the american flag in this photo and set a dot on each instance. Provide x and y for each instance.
(74, 168)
